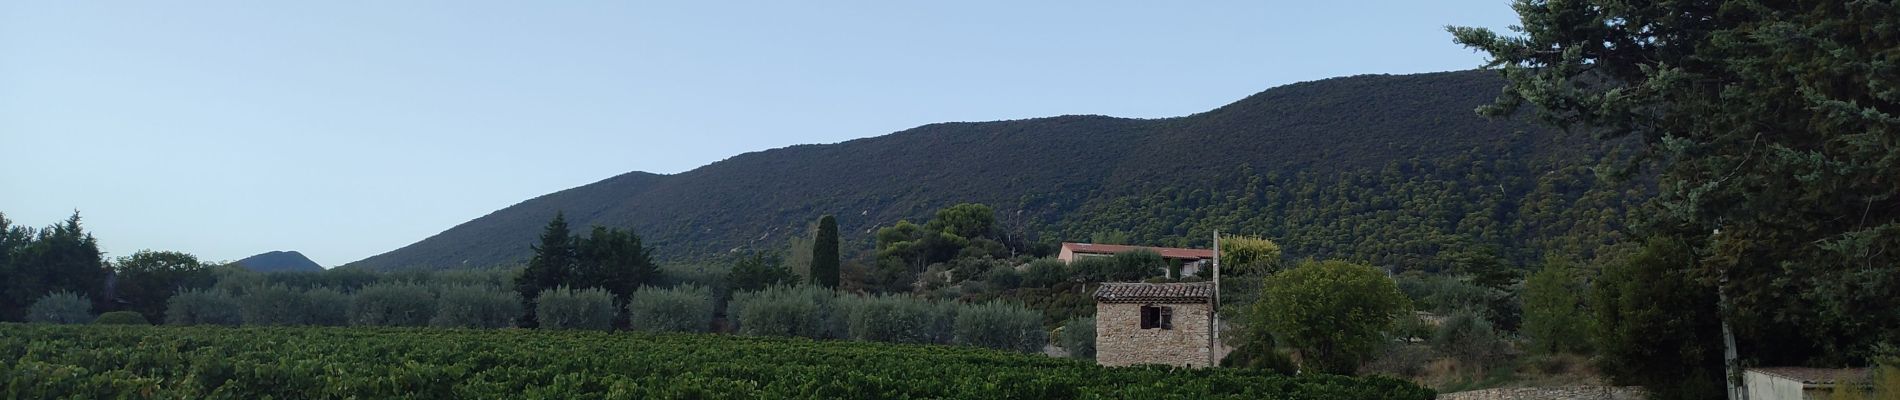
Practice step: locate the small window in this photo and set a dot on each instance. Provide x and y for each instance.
(1153, 317)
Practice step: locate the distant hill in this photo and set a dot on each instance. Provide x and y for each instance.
(1387, 169)
(277, 261)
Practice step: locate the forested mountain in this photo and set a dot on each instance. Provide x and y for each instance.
(1388, 169)
(279, 261)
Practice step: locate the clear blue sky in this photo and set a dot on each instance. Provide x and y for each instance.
(344, 129)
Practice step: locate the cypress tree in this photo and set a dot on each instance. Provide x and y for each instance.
(824, 253)
(553, 262)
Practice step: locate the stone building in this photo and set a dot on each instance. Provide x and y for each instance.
(1799, 383)
(1155, 323)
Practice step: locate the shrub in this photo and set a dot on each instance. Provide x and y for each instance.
(1304, 307)
(1399, 360)
(61, 308)
(202, 307)
(392, 304)
(476, 306)
(1091, 269)
(802, 310)
(121, 318)
(326, 307)
(758, 271)
(966, 268)
(272, 305)
(1470, 339)
(1003, 278)
(1001, 325)
(1044, 273)
(895, 318)
(1136, 265)
(1255, 347)
(686, 308)
(563, 308)
(1078, 338)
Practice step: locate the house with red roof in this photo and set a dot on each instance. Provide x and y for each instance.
(1191, 260)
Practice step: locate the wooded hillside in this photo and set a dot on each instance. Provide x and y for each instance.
(1386, 169)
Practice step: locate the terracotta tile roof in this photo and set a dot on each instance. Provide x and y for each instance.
(1166, 252)
(1817, 375)
(1197, 292)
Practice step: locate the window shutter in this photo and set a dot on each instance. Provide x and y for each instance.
(1166, 317)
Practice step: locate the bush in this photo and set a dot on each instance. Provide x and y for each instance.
(1001, 325)
(202, 307)
(1078, 338)
(563, 308)
(476, 306)
(896, 319)
(1044, 273)
(1091, 269)
(1400, 361)
(1003, 278)
(272, 305)
(392, 304)
(966, 268)
(711, 276)
(758, 271)
(1256, 348)
(61, 308)
(1131, 266)
(121, 318)
(1470, 339)
(686, 308)
(1305, 309)
(326, 307)
(803, 310)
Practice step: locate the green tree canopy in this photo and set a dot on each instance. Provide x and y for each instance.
(614, 260)
(1776, 123)
(967, 220)
(147, 279)
(58, 258)
(1656, 326)
(757, 271)
(610, 259)
(1553, 310)
(1249, 255)
(1334, 312)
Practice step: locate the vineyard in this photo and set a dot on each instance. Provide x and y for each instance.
(47, 361)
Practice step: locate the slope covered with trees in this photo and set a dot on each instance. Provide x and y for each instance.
(1388, 170)
(279, 261)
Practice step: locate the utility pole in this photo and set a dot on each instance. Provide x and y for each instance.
(1213, 348)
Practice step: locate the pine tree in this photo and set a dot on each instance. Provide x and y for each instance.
(553, 262)
(1773, 129)
(824, 253)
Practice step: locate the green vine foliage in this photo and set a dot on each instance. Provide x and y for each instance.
(47, 361)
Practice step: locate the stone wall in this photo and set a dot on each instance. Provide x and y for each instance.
(1556, 393)
(1120, 341)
